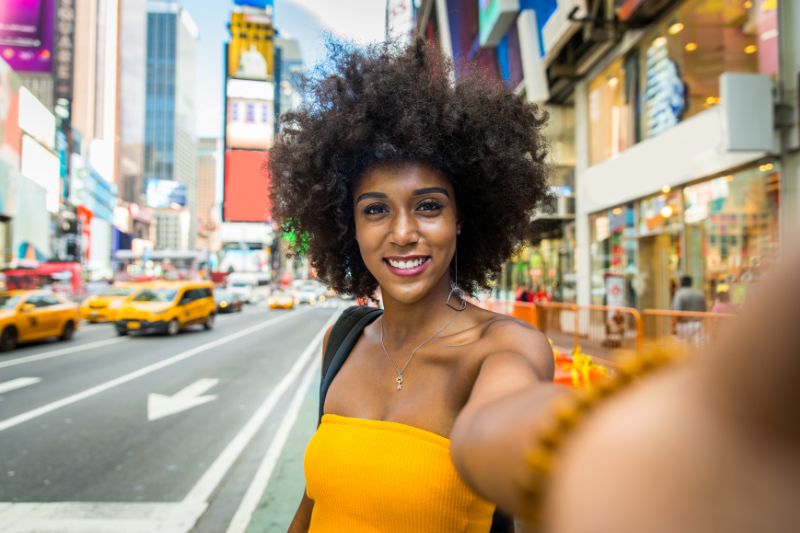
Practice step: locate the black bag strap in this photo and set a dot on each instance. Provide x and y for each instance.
(343, 337)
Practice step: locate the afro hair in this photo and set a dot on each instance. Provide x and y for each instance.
(387, 104)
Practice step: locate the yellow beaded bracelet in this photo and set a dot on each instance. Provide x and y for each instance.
(569, 410)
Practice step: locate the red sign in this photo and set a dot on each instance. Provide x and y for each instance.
(246, 194)
(85, 218)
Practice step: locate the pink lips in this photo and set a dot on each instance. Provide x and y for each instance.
(408, 271)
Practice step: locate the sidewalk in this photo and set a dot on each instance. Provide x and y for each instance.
(279, 502)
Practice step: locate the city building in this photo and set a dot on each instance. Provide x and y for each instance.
(290, 68)
(172, 228)
(132, 85)
(94, 135)
(669, 121)
(170, 151)
(209, 167)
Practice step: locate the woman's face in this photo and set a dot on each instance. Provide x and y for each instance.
(406, 223)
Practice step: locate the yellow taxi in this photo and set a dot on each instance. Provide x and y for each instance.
(282, 300)
(27, 316)
(167, 307)
(102, 307)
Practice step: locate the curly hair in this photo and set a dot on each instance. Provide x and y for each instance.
(387, 104)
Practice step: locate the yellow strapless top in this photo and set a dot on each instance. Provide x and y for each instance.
(387, 477)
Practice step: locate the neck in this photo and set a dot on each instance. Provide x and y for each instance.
(408, 322)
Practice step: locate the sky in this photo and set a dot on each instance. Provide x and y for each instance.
(308, 21)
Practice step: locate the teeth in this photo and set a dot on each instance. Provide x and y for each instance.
(413, 263)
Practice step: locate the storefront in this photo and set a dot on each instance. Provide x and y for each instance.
(677, 179)
(722, 231)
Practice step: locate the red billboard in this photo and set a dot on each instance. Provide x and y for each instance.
(246, 192)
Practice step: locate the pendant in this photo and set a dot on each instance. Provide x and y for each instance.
(399, 381)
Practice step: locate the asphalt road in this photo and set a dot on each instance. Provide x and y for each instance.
(158, 433)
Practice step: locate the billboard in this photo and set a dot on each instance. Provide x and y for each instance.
(259, 4)
(250, 52)
(26, 34)
(249, 117)
(246, 190)
(42, 167)
(161, 194)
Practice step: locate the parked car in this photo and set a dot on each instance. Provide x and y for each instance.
(228, 301)
(102, 307)
(167, 307)
(282, 300)
(35, 315)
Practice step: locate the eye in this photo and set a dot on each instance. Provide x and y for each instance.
(429, 205)
(375, 209)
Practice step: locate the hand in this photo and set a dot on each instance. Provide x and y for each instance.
(713, 446)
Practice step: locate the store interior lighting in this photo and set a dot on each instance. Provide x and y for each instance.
(675, 28)
(750, 49)
(690, 47)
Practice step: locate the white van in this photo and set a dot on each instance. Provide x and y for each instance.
(252, 287)
(243, 285)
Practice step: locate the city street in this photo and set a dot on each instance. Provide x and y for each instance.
(156, 433)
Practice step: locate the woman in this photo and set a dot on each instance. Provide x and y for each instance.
(408, 184)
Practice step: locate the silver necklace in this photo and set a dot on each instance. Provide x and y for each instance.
(399, 379)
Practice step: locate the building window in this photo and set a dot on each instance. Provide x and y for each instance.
(610, 114)
(685, 54)
(251, 113)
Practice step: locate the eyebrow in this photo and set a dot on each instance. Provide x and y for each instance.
(418, 192)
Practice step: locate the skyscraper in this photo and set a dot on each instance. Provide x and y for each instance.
(169, 140)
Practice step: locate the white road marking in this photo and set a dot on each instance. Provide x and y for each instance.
(207, 484)
(160, 405)
(62, 351)
(260, 481)
(18, 383)
(97, 389)
(97, 517)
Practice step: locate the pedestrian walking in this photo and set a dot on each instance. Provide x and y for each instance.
(409, 184)
(687, 298)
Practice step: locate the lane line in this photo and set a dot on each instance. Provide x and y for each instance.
(97, 389)
(62, 351)
(260, 481)
(18, 383)
(208, 483)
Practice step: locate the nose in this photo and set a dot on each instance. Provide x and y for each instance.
(405, 230)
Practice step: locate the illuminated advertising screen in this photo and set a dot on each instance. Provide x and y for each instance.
(160, 194)
(246, 191)
(26, 34)
(250, 52)
(249, 118)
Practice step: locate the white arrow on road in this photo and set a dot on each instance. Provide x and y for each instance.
(18, 383)
(159, 405)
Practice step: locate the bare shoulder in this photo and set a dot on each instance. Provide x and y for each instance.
(503, 334)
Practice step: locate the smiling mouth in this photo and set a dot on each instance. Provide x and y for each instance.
(407, 267)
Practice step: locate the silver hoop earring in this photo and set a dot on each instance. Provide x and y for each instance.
(455, 289)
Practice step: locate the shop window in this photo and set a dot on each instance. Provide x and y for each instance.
(732, 228)
(684, 56)
(610, 114)
(660, 213)
(614, 250)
